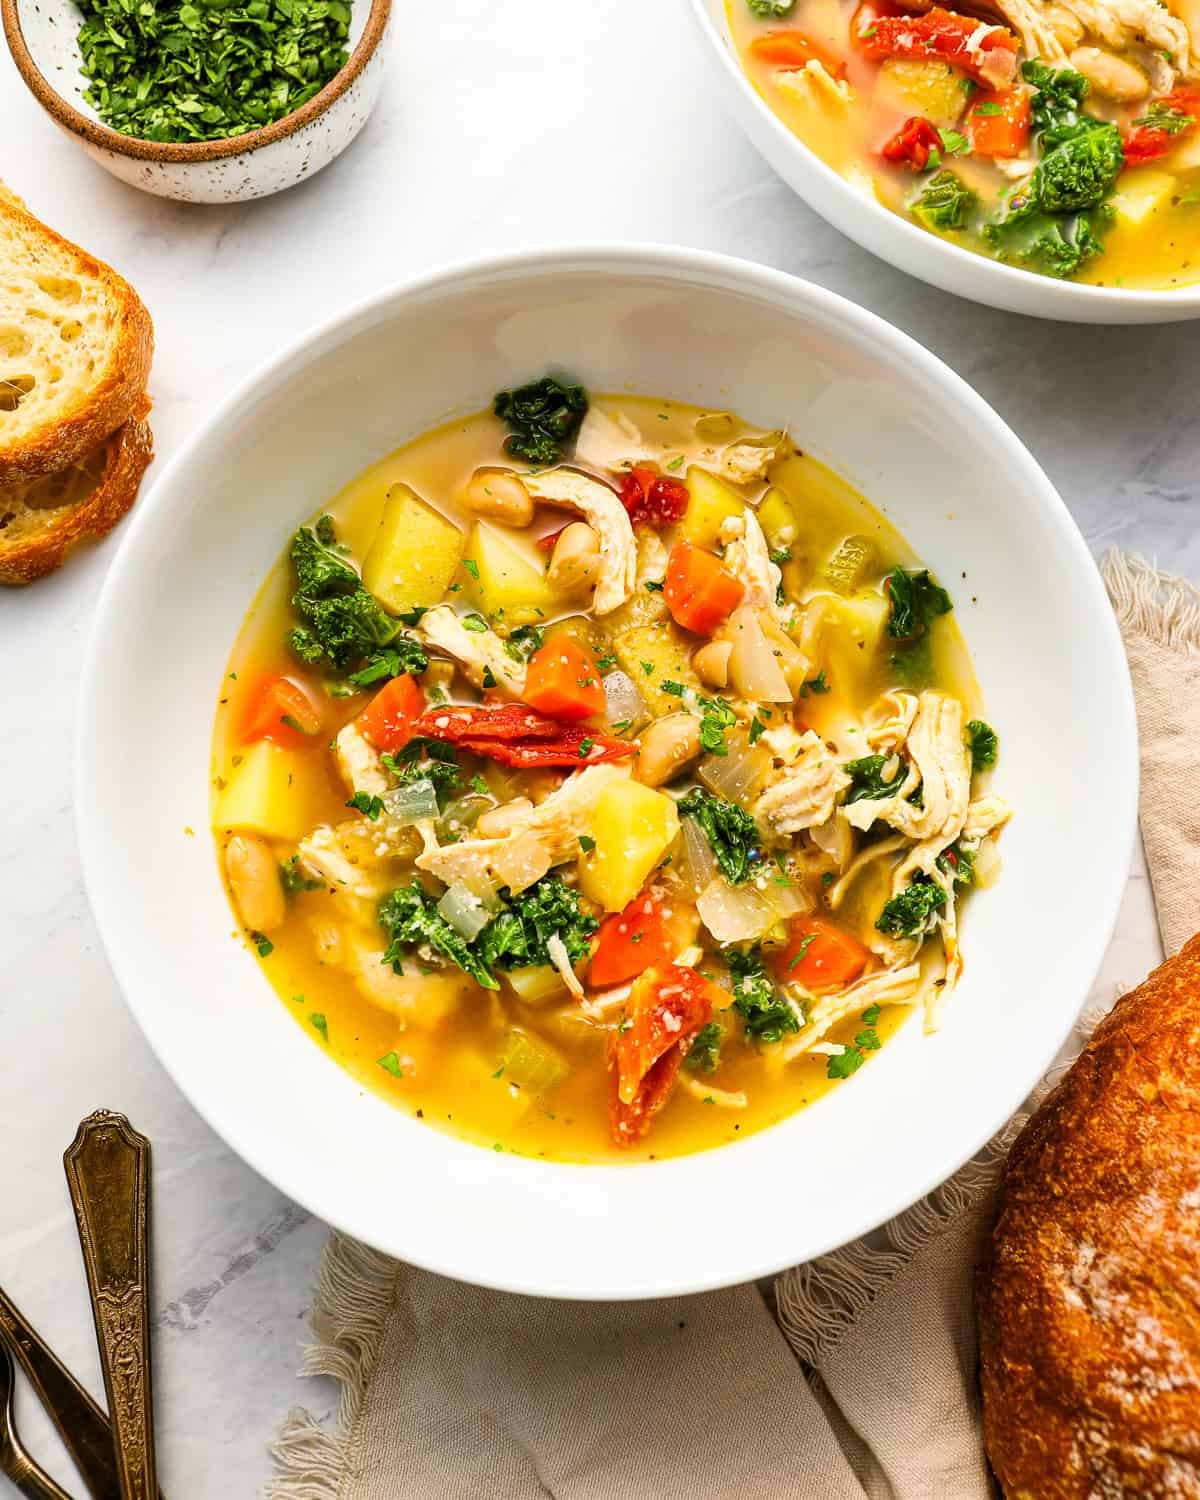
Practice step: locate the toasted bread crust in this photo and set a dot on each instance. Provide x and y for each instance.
(128, 451)
(115, 397)
(1089, 1296)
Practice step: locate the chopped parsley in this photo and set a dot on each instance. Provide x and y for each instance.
(704, 1055)
(854, 1054)
(472, 567)
(983, 743)
(586, 844)
(815, 684)
(318, 1023)
(390, 1063)
(370, 806)
(716, 718)
(474, 622)
(294, 879)
(263, 943)
(524, 641)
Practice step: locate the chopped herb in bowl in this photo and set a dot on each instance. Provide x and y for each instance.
(179, 71)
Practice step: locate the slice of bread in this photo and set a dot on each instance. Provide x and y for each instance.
(40, 519)
(75, 348)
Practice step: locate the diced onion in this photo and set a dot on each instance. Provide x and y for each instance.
(407, 805)
(699, 865)
(538, 985)
(737, 776)
(789, 900)
(988, 863)
(465, 912)
(623, 703)
(734, 915)
(753, 669)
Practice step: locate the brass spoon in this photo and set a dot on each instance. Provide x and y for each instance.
(108, 1174)
(81, 1424)
(14, 1461)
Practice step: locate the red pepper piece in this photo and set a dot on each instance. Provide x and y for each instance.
(1145, 140)
(913, 143)
(991, 58)
(665, 1010)
(653, 500)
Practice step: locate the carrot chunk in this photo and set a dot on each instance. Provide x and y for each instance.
(699, 589)
(998, 122)
(387, 721)
(820, 955)
(562, 680)
(280, 710)
(630, 941)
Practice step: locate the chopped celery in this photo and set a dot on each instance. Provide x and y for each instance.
(409, 804)
(844, 568)
(531, 1063)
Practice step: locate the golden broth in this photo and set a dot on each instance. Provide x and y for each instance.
(1153, 242)
(448, 1073)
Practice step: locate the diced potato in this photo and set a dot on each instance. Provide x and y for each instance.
(777, 517)
(414, 554)
(634, 827)
(272, 791)
(843, 569)
(712, 502)
(507, 583)
(667, 653)
(1140, 194)
(922, 87)
(584, 631)
(861, 617)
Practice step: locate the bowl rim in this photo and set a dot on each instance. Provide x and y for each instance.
(717, 272)
(95, 133)
(1000, 283)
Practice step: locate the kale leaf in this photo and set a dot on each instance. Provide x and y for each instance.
(704, 1055)
(944, 203)
(516, 937)
(769, 10)
(523, 642)
(911, 913)
(766, 1016)
(544, 415)
(957, 864)
(410, 917)
(731, 832)
(343, 623)
(917, 599)
(1054, 220)
(867, 781)
(983, 744)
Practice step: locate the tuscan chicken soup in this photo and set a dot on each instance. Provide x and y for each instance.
(1061, 137)
(602, 778)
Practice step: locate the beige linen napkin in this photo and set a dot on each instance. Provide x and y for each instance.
(862, 1385)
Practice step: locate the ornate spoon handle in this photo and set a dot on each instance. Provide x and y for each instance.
(82, 1426)
(108, 1174)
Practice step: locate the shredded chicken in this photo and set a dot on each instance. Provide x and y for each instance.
(707, 1094)
(748, 558)
(1119, 24)
(478, 652)
(891, 987)
(940, 766)
(359, 762)
(561, 960)
(889, 720)
(608, 518)
(882, 847)
(616, 444)
(813, 84)
(547, 835)
(984, 815)
(352, 858)
(804, 793)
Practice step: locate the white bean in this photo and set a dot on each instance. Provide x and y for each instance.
(575, 562)
(253, 873)
(712, 663)
(500, 495)
(666, 747)
(1111, 76)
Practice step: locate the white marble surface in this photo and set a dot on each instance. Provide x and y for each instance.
(501, 126)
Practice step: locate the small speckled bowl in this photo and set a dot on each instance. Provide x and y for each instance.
(42, 36)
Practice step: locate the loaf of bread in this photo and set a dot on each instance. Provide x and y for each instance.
(75, 350)
(1089, 1295)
